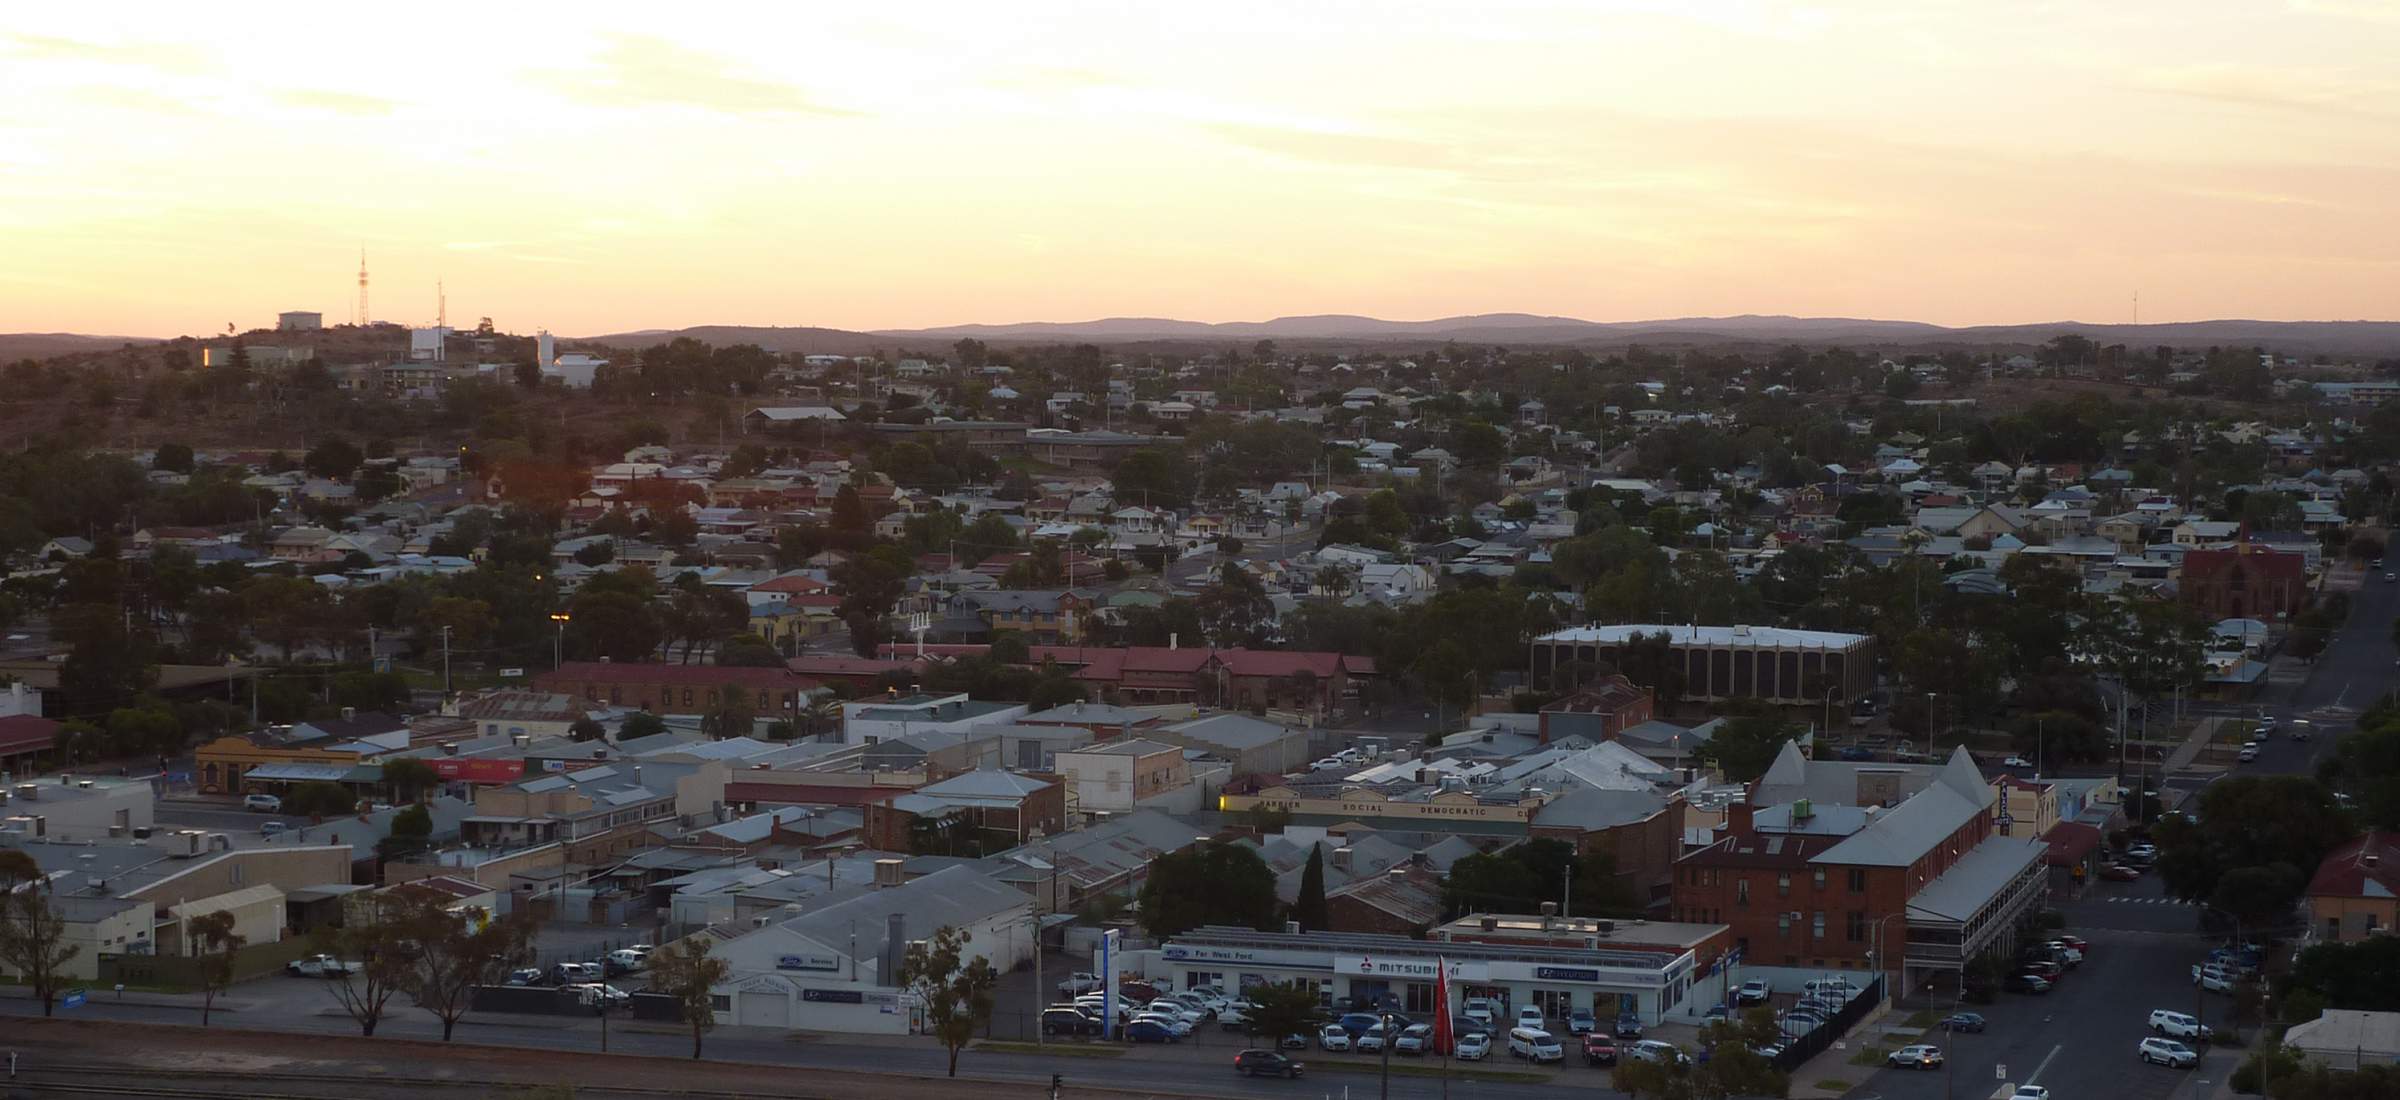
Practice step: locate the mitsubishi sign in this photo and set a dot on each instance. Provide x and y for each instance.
(1402, 966)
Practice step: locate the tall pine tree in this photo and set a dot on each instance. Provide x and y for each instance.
(1309, 909)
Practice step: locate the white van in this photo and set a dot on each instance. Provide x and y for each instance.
(1534, 1045)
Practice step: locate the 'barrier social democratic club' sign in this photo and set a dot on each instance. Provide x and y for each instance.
(807, 962)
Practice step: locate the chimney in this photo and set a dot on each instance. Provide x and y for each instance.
(895, 946)
(1737, 819)
(1341, 858)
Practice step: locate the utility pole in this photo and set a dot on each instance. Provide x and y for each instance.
(445, 664)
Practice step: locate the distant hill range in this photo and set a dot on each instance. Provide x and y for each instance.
(2370, 338)
(44, 345)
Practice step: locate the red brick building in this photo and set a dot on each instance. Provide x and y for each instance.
(678, 689)
(998, 809)
(1925, 882)
(2248, 581)
(1599, 711)
(1641, 831)
(1403, 901)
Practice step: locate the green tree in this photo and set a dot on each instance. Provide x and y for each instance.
(1280, 1009)
(409, 778)
(33, 932)
(219, 944)
(2364, 976)
(1309, 909)
(956, 991)
(451, 954)
(1212, 883)
(334, 458)
(1743, 747)
(173, 458)
(2274, 824)
(1235, 610)
(686, 973)
(641, 723)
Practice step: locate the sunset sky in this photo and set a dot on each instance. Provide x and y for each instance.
(596, 167)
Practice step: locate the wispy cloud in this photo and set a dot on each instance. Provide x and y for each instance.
(340, 103)
(145, 55)
(2305, 90)
(637, 71)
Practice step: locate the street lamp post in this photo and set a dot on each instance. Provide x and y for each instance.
(558, 643)
(1875, 952)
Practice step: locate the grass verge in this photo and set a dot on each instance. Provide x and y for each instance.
(1870, 1056)
(1067, 1050)
(1921, 1019)
(1833, 1084)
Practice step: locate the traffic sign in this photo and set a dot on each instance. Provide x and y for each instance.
(73, 999)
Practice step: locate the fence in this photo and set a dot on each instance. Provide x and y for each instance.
(1797, 1051)
(187, 971)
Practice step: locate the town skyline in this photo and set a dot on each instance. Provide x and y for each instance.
(860, 171)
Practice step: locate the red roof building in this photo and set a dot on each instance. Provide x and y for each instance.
(26, 734)
(2356, 891)
(677, 689)
(2248, 581)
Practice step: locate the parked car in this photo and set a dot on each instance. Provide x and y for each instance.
(1414, 1040)
(2027, 983)
(1236, 1017)
(2168, 1052)
(2016, 762)
(1756, 991)
(1918, 1056)
(1475, 1046)
(1070, 1022)
(1857, 753)
(2249, 753)
(1534, 1045)
(1652, 1050)
(1356, 1023)
(2302, 728)
(2031, 1092)
(1580, 1022)
(629, 961)
(2175, 1025)
(576, 973)
(1530, 1016)
(262, 803)
(1797, 1023)
(2215, 977)
(271, 828)
(2120, 872)
(317, 966)
(2072, 940)
(1599, 1050)
(2067, 952)
(1333, 1037)
(1369, 1041)
(531, 975)
(1484, 1010)
(1962, 1021)
(1254, 1063)
(2144, 851)
(1629, 1026)
(1150, 1031)
(1716, 1012)
(1079, 982)
(602, 993)
(1180, 1026)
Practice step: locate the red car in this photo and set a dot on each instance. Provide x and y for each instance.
(1599, 1050)
(2118, 872)
(2076, 942)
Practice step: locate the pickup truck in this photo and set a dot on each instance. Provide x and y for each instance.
(318, 966)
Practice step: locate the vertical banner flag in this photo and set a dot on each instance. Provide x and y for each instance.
(1443, 1040)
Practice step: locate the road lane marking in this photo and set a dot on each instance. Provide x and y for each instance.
(2037, 1070)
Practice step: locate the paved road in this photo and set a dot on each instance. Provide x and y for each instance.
(302, 1007)
(2079, 1039)
(2357, 667)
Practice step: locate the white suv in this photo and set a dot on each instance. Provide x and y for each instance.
(2168, 1052)
(2174, 1025)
